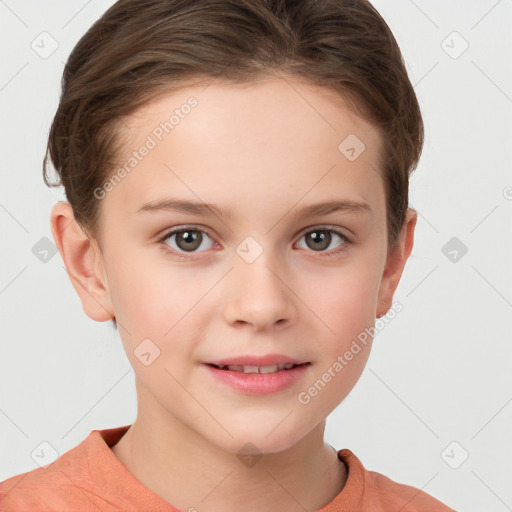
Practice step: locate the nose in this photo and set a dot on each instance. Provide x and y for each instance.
(259, 295)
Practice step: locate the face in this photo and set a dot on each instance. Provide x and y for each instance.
(264, 269)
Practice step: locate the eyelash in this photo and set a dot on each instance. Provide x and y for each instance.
(185, 255)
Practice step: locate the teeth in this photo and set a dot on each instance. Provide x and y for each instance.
(257, 369)
(268, 369)
(235, 368)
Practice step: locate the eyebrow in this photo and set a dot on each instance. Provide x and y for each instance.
(312, 210)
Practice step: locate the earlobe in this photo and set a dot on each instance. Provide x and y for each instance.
(83, 261)
(395, 263)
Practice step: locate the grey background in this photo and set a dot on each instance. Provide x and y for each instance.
(439, 372)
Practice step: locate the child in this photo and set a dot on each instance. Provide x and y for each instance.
(275, 138)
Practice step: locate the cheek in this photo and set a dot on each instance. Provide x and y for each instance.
(164, 307)
(151, 299)
(344, 300)
(344, 303)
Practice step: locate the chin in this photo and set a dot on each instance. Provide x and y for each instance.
(257, 438)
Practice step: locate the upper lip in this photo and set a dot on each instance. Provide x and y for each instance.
(247, 360)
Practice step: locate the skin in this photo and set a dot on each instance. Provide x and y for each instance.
(259, 150)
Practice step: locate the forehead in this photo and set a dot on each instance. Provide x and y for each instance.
(267, 139)
(237, 105)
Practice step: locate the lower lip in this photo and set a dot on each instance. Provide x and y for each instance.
(259, 383)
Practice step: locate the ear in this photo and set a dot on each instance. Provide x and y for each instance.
(84, 263)
(395, 263)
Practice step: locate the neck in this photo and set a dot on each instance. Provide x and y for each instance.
(190, 473)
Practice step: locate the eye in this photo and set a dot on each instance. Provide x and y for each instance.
(320, 239)
(186, 240)
(180, 241)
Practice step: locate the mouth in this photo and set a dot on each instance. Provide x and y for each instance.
(252, 375)
(258, 369)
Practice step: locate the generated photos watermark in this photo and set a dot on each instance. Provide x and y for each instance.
(152, 140)
(305, 397)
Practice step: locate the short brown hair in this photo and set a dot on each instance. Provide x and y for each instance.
(140, 49)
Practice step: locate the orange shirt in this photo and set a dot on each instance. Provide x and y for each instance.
(89, 477)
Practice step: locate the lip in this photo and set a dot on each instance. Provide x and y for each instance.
(258, 383)
(248, 360)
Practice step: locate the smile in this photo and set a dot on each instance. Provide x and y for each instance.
(257, 369)
(253, 379)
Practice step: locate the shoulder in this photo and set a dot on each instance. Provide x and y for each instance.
(44, 488)
(75, 481)
(392, 494)
(381, 493)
